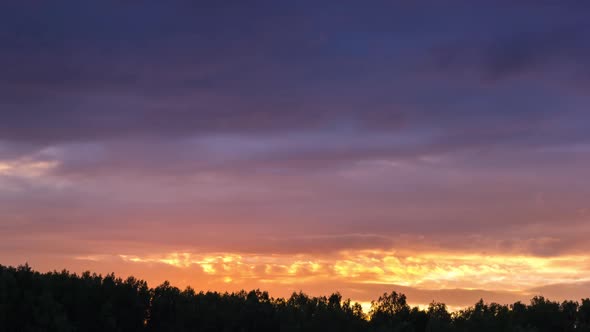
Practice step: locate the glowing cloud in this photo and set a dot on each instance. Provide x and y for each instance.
(26, 168)
(421, 270)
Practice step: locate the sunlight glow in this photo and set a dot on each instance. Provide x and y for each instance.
(422, 270)
(26, 168)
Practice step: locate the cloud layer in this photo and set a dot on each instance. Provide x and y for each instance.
(302, 133)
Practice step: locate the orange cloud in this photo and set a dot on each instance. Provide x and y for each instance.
(365, 269)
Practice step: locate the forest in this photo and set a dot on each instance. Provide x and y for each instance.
(64, 301)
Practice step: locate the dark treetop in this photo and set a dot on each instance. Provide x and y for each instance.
(62, 301)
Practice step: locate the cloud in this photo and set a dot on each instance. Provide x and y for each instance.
(223, 199)
(128, 79)
(574, 291)
(26, 169)
(292, 130)
(531, 49)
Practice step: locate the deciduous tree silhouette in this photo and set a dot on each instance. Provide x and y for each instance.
(67, 302)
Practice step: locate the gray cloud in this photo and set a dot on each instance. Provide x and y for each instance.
(539, 49)
(184, 121)
(166, 74)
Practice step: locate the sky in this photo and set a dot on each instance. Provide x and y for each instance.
(437, 148)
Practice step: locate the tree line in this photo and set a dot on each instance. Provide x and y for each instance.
(68, 302)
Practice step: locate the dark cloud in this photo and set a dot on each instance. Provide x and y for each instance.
(539, 49)
(117, 70)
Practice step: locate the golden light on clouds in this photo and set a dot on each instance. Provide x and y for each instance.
(26, 168)
(419, 270)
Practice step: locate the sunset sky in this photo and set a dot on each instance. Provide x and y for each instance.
(437, 148)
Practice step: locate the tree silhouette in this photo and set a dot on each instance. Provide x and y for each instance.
(67, 302)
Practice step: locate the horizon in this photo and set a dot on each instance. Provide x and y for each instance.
(366, 307)
(437, 150)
